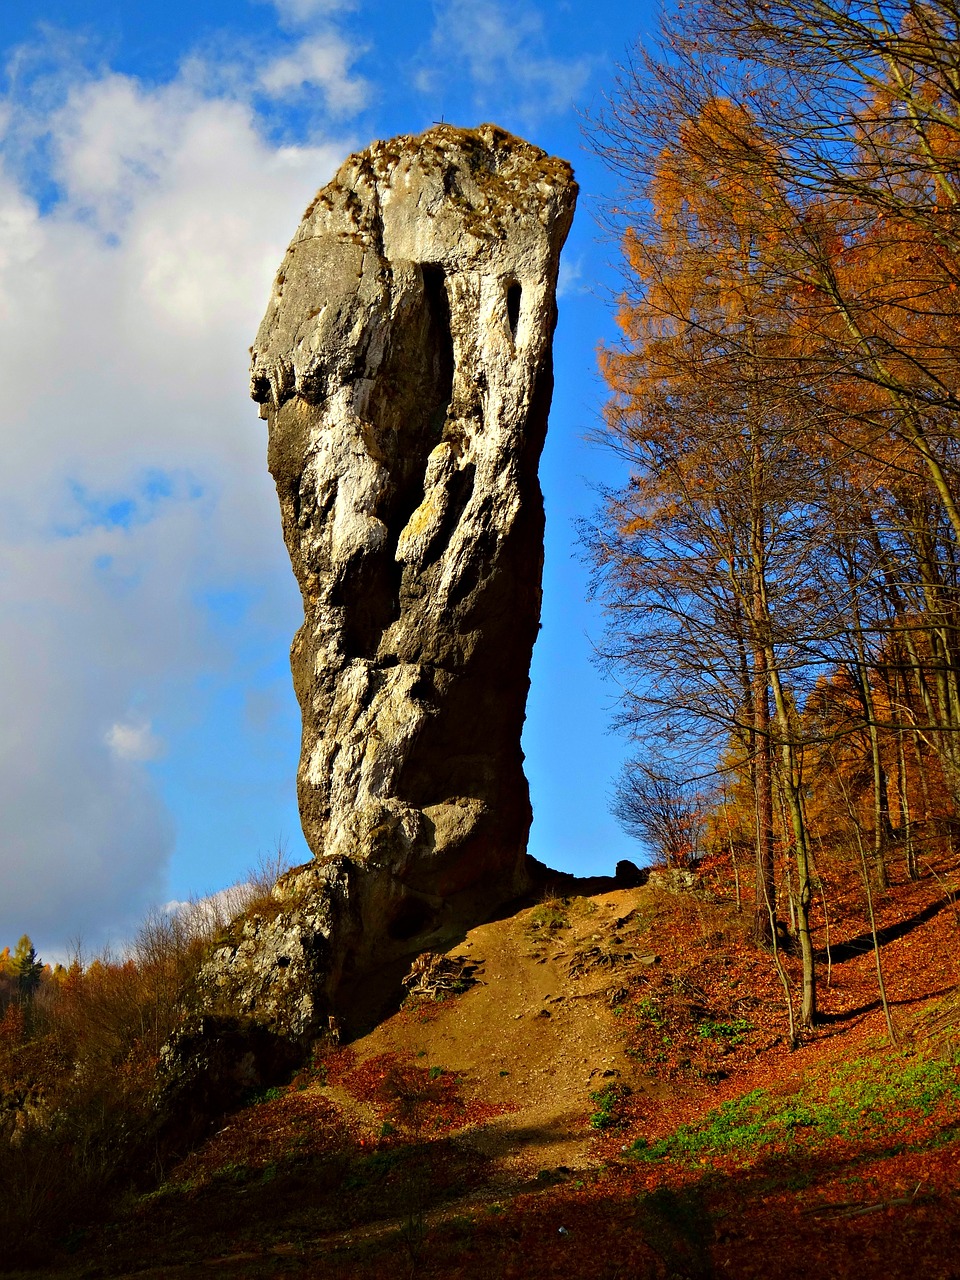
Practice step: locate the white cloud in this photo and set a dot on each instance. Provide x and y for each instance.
(135, 742)
(133, 485)
(502, 49)
(320, 62)
(113, 145)
(302, 12)
(570, 280)
(214, 910)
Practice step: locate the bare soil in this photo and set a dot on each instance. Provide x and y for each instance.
(528, 1036)
(489, 1133)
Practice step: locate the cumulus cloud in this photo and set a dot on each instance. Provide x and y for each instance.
(320, 59)
(502, 49)
(214, 910)
(133, 492)
(318, 62)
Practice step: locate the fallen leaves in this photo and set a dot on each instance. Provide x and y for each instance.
(845, 1143)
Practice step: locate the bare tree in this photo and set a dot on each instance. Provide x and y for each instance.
(664, 810)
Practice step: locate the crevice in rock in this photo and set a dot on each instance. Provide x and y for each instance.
(514, 294)
(440, 343)
(369, 587)
(459, 494)
(414, 916)
(260, 389)
(478, 567)
(365, 592)
(407, 430)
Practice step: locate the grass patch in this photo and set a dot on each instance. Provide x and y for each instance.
(732, 1032)
(880, 1097)
(609, 1102)
(552, 915)
(373, 1168)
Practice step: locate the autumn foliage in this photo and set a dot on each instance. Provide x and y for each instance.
(782, 567)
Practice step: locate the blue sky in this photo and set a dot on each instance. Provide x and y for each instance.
(155, 158)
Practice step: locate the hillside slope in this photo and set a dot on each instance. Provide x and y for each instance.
(556, 1115)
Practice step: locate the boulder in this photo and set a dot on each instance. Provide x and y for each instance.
(674, 880)
(404, 369)
(629, 876)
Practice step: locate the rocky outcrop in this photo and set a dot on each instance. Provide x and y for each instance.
(404, 369)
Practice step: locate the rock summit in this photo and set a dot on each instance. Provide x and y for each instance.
(404, 369)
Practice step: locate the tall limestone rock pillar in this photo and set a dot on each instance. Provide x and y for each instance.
(404, 369)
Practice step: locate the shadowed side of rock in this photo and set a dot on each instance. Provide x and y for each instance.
(404, 369)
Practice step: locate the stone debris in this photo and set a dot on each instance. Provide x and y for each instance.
(674, 880)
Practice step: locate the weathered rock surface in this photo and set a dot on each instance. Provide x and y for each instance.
(404, 369)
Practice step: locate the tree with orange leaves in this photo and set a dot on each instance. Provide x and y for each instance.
(786, 394)
(702, 547)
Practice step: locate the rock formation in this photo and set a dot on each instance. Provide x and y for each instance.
(404, 369)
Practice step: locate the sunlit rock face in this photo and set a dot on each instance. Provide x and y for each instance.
(404, 369)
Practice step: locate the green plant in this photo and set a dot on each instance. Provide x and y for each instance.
(234, 1172)
(734, 1031)
(608, 1102)
(266, 1095)
(549, 917)
(879, 1097)
(648, 1010)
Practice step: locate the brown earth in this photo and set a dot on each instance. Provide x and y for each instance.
(486, 1134)
(528, 1036)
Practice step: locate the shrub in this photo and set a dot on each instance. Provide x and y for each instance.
(78, 1079)
(549, 917)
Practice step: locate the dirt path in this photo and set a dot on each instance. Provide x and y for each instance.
(526, 1035)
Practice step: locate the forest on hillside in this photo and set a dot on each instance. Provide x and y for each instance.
(782, 571)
